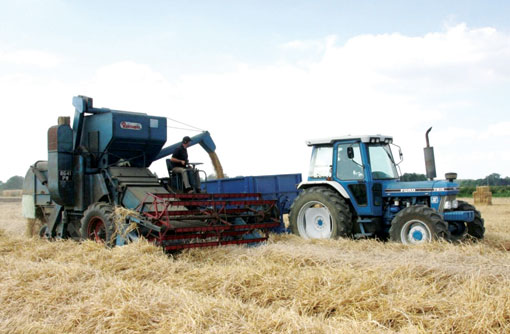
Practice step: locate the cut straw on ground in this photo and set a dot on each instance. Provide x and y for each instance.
(289, 285)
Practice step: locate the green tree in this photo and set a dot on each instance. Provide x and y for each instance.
(15, 182)
(413, 177)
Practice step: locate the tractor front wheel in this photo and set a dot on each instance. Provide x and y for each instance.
(418, 224)
(320, 213)
(97, 224)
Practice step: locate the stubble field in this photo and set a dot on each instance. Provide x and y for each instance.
(286, 286)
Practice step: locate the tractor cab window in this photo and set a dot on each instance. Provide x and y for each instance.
(320, 164)
(349, 166)
(382, 163)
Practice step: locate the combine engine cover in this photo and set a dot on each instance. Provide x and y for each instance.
(60, 164)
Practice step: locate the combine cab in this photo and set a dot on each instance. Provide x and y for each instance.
(101, 163)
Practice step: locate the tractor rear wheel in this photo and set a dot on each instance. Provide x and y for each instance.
(97, 223)
(418, 224)
(320, 213)
(476, 228)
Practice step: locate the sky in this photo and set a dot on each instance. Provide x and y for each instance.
(265, 76)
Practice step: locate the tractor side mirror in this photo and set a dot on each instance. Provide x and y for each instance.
(400, 155)
(350, 153)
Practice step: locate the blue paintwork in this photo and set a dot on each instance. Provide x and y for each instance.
(361, 210)
(282, 188)
(393, 192)
(417, 235)
(462, 216)
(138, 141)
(60, 164)
(203, 139)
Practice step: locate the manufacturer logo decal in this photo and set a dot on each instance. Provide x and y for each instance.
(130, 125)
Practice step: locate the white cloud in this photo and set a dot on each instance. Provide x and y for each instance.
(499, 130)
(29, 57)
(260, 116)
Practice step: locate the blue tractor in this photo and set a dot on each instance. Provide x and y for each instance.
(353, 189)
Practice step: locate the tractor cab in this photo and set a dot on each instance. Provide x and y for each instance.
(357, 166)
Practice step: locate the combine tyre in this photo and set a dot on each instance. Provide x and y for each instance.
(418, 224)
(320, 213)
(97, 223)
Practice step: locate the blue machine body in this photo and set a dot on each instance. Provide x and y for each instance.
(376, 193)
(60, 161)
(103, 157)
(122, 135)
(114, 135)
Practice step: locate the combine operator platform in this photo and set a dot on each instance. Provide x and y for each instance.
(178, 221)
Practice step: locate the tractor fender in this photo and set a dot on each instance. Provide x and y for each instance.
(334, 185)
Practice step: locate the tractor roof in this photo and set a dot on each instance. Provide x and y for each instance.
(363, 138)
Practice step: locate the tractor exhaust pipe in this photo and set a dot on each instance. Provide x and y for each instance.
(430, 164)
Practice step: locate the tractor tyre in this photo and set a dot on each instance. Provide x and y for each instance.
(320, 213)
(97, 224)
(418, 224)
(476, 228)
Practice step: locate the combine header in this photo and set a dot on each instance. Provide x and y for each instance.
(204, 220)
(101, 163)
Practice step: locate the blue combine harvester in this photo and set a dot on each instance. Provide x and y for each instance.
(101, 163)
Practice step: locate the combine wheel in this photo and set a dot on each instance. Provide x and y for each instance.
(418, 224)
(97, 224)
(476, 228)
(320, 213)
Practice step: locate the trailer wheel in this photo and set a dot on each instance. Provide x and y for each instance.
(320, 213)
(97, 224)
(476, 228)
(418, 224)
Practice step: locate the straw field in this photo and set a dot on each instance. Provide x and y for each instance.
(287, 286)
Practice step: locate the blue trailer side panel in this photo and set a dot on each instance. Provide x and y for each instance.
(281, 187)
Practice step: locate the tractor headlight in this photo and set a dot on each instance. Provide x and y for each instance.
(453, 204)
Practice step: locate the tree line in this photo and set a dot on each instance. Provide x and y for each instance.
(15, 182)
(500, 186)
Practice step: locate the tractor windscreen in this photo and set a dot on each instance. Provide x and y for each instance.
(382, 163)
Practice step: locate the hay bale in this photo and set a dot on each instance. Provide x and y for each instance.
(483, 195)
(12, 193)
